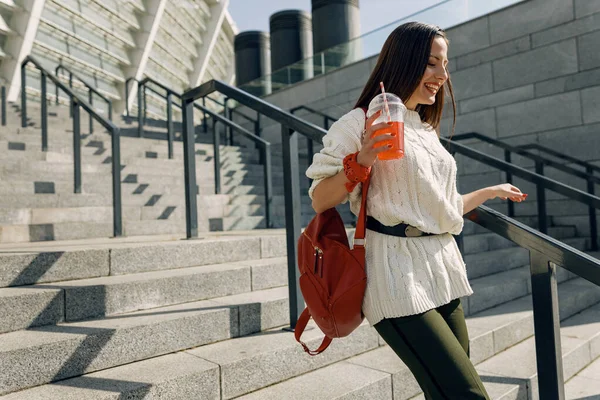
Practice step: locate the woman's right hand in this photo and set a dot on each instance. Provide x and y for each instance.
(369, 150)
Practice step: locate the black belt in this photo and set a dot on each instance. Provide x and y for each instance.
(400, 230)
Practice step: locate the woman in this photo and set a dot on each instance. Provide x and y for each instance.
(414, 280)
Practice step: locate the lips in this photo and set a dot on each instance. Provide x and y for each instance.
(432, 87)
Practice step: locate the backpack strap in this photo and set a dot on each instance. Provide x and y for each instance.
(361, 223)
(300, 326)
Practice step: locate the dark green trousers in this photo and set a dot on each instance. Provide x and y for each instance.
(435, 347)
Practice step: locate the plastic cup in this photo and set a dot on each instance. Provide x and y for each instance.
(395, 118)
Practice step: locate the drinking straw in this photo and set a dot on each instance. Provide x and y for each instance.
(385, 102)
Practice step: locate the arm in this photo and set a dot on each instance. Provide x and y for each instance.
(478, 197)
(331, 191)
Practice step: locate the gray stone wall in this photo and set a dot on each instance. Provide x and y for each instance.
(529, 73)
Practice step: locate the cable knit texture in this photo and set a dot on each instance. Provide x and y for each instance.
(405, 276)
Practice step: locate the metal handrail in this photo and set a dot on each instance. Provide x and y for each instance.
(3, 104)
(540, 162)
(588, 166)
(77, 103)
(91, 91)
(265, 147)
(545, 252)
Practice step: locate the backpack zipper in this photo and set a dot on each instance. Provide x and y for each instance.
(318, 261)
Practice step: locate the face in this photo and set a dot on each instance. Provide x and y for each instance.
(435, 75)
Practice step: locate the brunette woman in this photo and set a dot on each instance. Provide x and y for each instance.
(415, 272)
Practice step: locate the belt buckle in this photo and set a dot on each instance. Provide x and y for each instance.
(411, 231)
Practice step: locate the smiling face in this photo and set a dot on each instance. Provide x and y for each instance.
(434, 77)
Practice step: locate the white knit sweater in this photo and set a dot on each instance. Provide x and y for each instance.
(405, 276)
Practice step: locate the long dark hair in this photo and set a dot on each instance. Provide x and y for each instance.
(401, 65)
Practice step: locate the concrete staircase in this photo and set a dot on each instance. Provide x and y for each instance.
(176, 319)
(38, 203)
(152, 316)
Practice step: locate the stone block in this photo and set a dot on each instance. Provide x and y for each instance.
(482, 264)
(259, 310)
(26, 269)
(43, 355)
(29, 307)
(384, 359)
(590, 101)
(337, 381)
(579, 141)
(469, 37)
(483, 122)
(273, 246)
(349, 77)
(117, 294)
(586, 7)
(174, 376)
(538, 115)
(490, 291)
(589, 57)
(528, 17)
(495, 99)
(473, 82)
(567, 30)
(281, 357)
(269, 273)
(494, 52)
(536, 65)
(169, 255)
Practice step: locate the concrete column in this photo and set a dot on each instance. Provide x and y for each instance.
(335, 22)
(24, 23)
(144, 39)
(291, 42)
(253, 60)
(209, 40)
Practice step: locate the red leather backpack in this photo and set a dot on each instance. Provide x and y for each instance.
(332, 276)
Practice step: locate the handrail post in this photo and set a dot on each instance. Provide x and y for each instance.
(546, 327)
(140, 112)
(91, 101)
(228, 130)
(204, 122)
(291, 184)
(170, 124)
(76, 148)
(145, 93)
(217, 157)
(56, 86)
(70, 98)
(3, 105)
(511, 205)
(116, 181)
(23, 96)
(266, 150)
(593, 223)
(189, 164)
(44, 114)
(541, 198)
(127, 97)
(109, 110)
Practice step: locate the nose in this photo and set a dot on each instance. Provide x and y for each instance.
(442, 74)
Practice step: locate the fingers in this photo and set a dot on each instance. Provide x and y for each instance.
(372, 119)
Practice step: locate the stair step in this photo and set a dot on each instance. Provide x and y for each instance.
(42, 355)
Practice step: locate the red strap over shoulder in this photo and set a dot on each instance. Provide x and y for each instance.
(362, 216)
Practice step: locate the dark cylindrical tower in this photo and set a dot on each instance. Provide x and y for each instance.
(253, 60)
(335, 22)
(291, 41)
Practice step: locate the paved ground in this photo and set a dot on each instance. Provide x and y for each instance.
(586, 384)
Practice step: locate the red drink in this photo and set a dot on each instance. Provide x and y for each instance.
(397, 151)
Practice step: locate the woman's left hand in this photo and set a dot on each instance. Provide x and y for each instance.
(507, 191)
